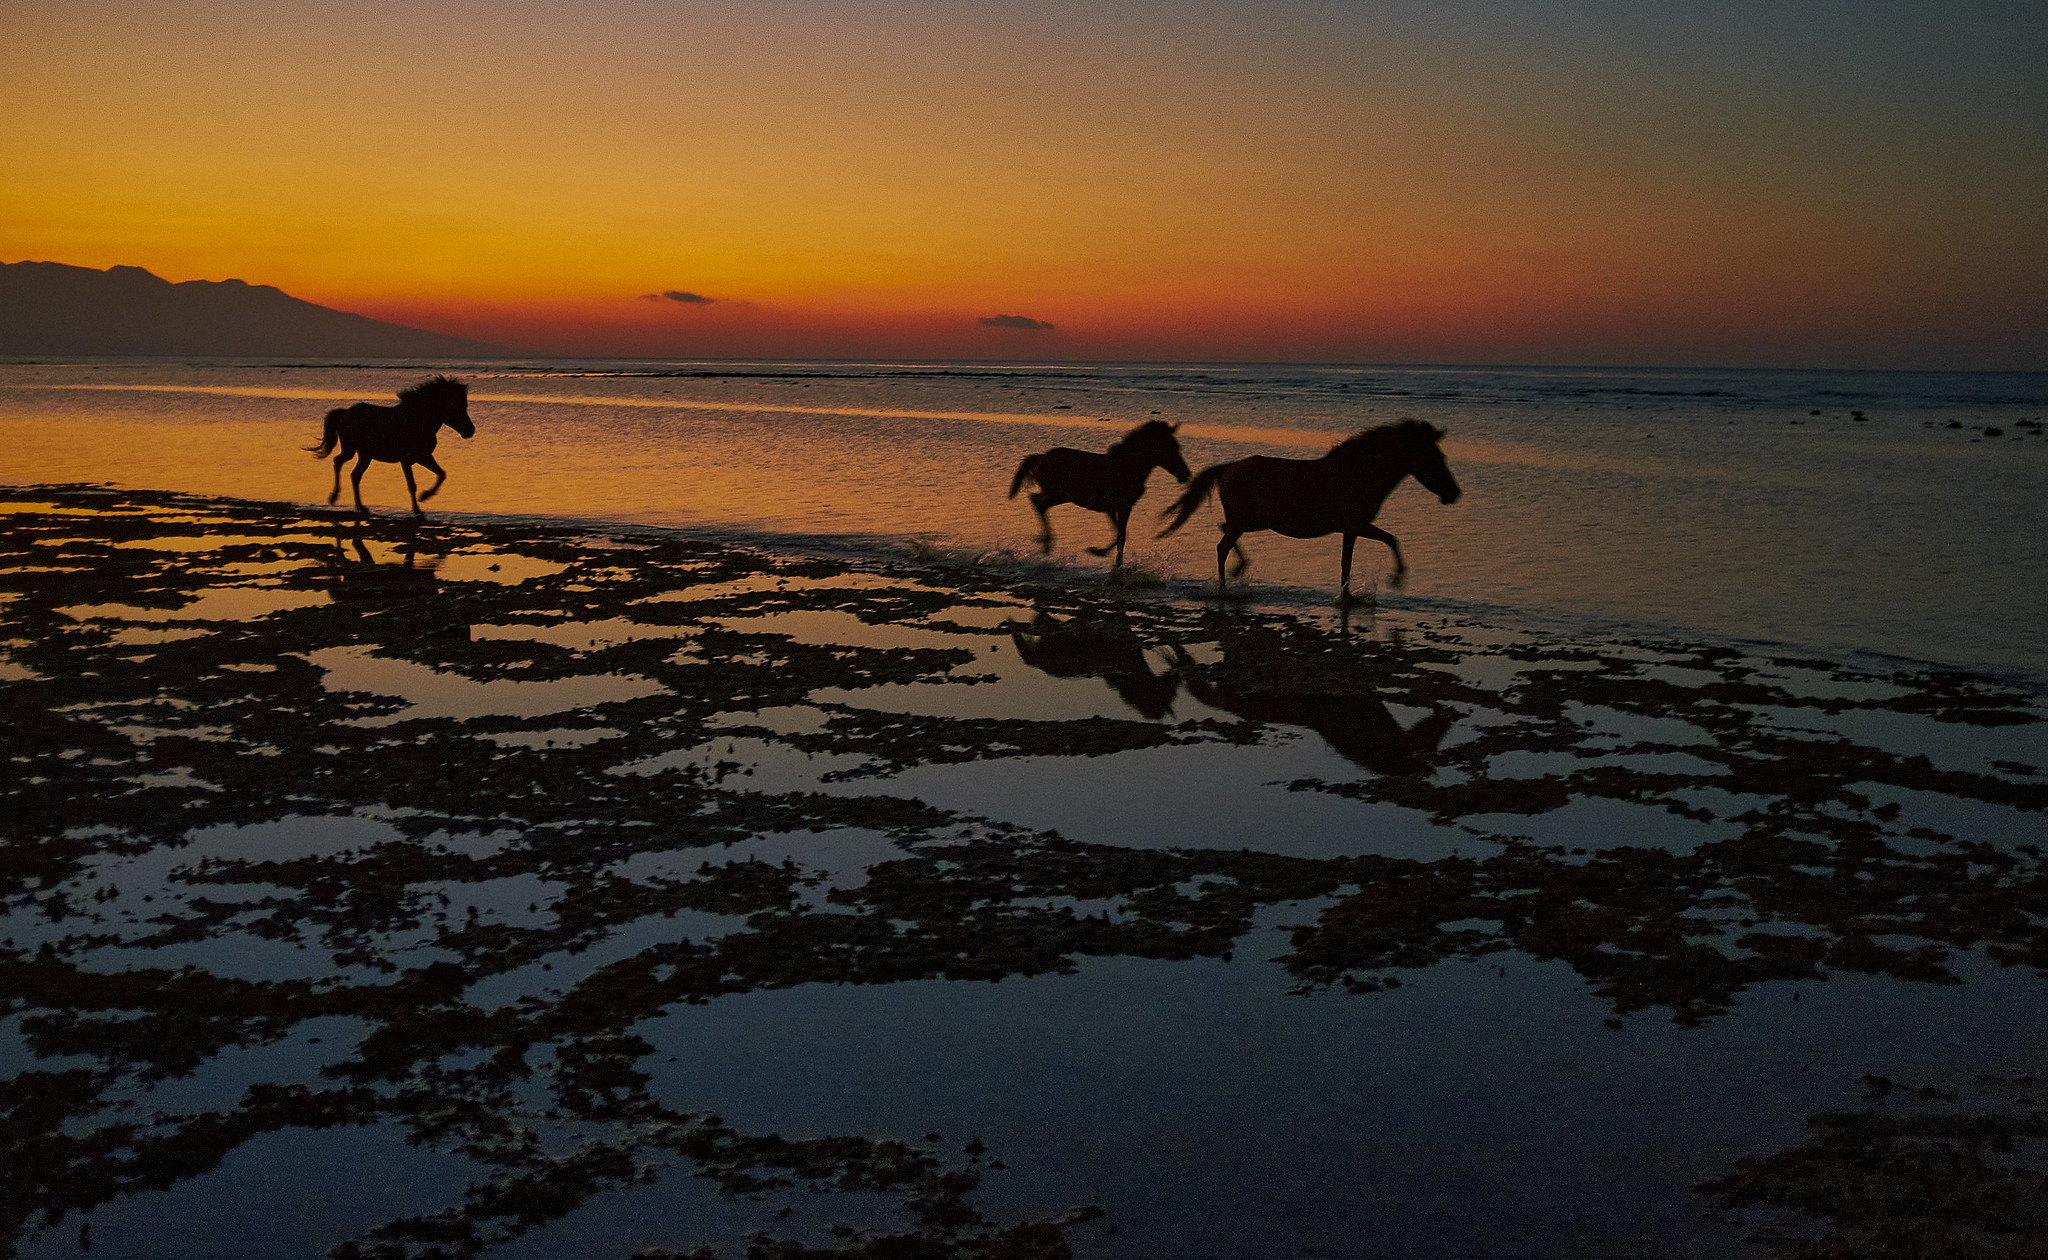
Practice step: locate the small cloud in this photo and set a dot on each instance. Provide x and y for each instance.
(677, 295)
(1016, 321)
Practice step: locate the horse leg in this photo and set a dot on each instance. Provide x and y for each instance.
(1116, 542)
(1344, 580)
(411, 487)
(1229, 540)
(1040, 501)
(1393, 545)
(339, 460)
(1123, 526)
(439, 477)
(356, 479)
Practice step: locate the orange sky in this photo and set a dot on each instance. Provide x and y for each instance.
(1531, 182)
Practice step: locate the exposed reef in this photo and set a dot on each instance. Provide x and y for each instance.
(491, 797)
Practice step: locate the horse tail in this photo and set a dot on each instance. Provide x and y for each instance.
(1191, 498)
(329, 435)
(1027, 469)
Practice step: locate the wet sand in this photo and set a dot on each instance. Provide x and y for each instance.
(390, 889)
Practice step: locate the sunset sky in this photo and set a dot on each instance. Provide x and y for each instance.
(1572, 181)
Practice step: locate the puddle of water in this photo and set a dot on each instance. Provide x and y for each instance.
(788, 719)
(431, 693)
(221, 603)
(1141, 686)
(556, 737)
(138, 634)
(1634, 727)
(286, 839)
(1968, 821)
(583, 636)
(1948, 745)
(987, 617)
(766, 582)
(842, 855)
(1491, 673)
(757, 765)
(1202, 796)
(825, 626)
(54, 509)
(1596, 823)
(255, 568)
(502, 567)
(211, 542)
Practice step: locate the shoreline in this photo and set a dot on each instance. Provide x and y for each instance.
(1066, 576)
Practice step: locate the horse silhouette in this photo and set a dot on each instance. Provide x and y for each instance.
(1080, 649)
(1111, 482)
(1308, 498)
(1262, 678)
(404, 435)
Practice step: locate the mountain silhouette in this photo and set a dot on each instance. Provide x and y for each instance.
(56, 309)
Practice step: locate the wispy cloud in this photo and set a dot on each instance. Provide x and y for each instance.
(1016, 321)
(677, 295)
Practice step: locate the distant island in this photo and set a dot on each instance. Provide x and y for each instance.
(49, 308)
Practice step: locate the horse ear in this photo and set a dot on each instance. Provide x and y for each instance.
(1173, 428)
(1440, 433)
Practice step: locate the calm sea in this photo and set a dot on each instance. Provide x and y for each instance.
(1845, 512)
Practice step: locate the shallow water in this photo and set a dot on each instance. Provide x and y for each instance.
(678, 893)
(1713, 502)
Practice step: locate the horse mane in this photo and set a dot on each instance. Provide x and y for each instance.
(434, 387)
(1150, 431)
(1384, 439)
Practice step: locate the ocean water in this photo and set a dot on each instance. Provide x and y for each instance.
(1841, 512)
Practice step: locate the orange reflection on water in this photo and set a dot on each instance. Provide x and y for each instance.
(1235, 433)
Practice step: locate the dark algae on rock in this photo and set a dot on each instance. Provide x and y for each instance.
(425, 826)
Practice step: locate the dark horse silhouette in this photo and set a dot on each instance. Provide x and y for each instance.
(1111, 482)
(404, 435)
(1111, 652)
(1308, 498)
(1265, 677)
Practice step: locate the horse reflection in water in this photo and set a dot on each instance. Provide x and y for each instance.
(1308, 498)
(1356, 724)
(363, 577)
(1262, 678)
(1111, 482)
(404, 435)
(1078, 649)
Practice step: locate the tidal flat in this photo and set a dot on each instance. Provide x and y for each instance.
(389, 889)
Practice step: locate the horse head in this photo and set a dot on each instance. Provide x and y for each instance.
(1429, 466)
(444, 399)
(1155, 440)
